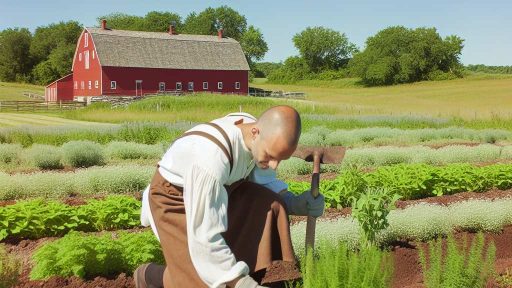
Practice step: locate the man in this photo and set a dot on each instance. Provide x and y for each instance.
(205, 241)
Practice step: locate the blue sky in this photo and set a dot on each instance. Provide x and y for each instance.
(486, 26)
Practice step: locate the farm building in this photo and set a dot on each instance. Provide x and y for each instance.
(111, 62)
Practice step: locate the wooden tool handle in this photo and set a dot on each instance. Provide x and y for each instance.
(315, 183)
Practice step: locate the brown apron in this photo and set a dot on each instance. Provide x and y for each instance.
(258, 227)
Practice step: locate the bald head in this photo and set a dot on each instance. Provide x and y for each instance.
(282, 121)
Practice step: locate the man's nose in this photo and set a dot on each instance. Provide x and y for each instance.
(273, 164)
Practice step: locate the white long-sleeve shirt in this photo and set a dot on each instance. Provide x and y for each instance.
(202, 169)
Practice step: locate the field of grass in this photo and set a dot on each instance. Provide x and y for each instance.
(480, 96)
(14, 91)
(14, 119)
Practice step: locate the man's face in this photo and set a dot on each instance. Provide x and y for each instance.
(269, 151)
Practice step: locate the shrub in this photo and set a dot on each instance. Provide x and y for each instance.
(10, 153)
(83, 153)
(10, 268)
(45, 156)
(371, 209)
(130, 150)
(458, 268)
(88, 256)
(337, 266)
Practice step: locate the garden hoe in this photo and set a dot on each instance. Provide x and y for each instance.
(317, 155)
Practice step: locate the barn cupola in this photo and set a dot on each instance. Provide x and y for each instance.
(103, 24)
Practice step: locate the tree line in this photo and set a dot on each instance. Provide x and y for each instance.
(47, 54)
(394, 55)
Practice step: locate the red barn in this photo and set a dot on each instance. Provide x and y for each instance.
(111, 62)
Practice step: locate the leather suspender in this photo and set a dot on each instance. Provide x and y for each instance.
(229, 154)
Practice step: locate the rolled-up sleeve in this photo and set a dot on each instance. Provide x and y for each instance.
(206, 201)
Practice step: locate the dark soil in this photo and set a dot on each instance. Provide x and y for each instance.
(281, 271)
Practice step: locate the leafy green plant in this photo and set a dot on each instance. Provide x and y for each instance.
(130, 150)
(88, 256)
(9, 153)
(83, 153)
(371, 210)
(10, 268)
(45, 156)
(460, 267)
(37, 218)
(338, 266)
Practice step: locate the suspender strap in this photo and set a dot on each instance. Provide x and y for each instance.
(216, 141)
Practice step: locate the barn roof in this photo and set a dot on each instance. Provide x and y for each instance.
(120, 48)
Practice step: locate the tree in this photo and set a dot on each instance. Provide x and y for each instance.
(153, 21)
(253, 44)
(210, 20)
(323, 48)
(52, 49)
(400, 55)
(15, 60)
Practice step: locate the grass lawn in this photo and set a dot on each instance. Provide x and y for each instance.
(14, 91)
(480, 96)
(17, 119)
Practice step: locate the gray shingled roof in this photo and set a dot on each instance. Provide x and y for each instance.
(120, 48)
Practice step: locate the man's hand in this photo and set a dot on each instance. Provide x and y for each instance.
(304, 204)
(247, 282)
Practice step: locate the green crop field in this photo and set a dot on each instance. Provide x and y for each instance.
(14, 119)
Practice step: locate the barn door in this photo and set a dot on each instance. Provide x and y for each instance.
(138, 88)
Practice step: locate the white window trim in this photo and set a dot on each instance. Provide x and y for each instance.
(90, 85)
(190, 88)
(86, 44)
(219, 85)
(205, 85)
(93, 54)
(80, 56)
(180, 86)
(113, 85)
(96, 84)
(86, 55)
(160, 86)
(237, 85)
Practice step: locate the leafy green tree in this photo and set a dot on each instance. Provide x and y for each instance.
(323, 48)
(53, 48)
(253, 44)
(295, 68)
(15, 60)
(263, 69)
(400, 55)
(210, 20)
(153, 21)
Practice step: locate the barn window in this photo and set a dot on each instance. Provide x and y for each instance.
(82, 85)
(161, 86)
(90, 84)
(237, 85)
(178, 85)
(86, 55)
(219, 85)
(92, 54)
(190, 86)
(96, 84)
(80, 57)
(86, 40)
(76, 85)
(113, 85)
(205, 85)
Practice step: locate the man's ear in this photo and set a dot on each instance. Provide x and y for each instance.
(255, 131)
